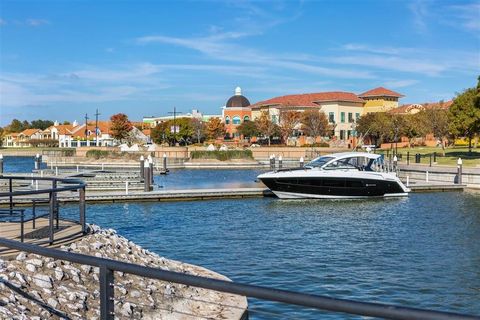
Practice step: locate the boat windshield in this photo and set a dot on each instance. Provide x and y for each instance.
(318, 162)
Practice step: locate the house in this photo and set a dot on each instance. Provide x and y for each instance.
(236, 111)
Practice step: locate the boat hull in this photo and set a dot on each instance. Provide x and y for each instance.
(333, 188)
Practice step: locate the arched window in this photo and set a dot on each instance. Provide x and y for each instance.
(246, 118)
(227, 120)
(236, 120)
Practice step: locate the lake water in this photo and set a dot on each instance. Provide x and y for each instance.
(422, 251)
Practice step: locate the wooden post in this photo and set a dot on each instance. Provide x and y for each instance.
(280, 162)
(81, 202)
(1, 164)
(301, 162)
(146, 176)
(165, 162)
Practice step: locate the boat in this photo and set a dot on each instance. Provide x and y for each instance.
(346, 175)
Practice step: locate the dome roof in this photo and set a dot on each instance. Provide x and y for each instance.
(237, 101)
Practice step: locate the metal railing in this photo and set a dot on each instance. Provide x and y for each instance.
(107, 267)
(58, 185)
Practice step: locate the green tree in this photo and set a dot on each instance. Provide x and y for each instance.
(248, 129)
(165, 131)
(464, 115)
(376, 126)
(41, 124)
(16, 126)
(121, 126)
(2, 132)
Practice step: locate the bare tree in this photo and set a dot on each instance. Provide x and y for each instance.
(288, 121)
(266, 126)
(314, 123)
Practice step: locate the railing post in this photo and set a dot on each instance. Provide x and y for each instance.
(459, 170)
(1, 164)
(430, 159)
(301, 162)
(408, 158)
(10, 189)
(280, 162)
(107, 310)
(22, 229)
(34, 215)
(50, 216)
(81, 202)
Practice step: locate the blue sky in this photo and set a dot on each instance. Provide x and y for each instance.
(62, 59)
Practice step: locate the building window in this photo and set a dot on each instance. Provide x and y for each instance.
(275, 119)
(331, 117)
(350, 117)
(227, 120)
(246, 118)
(342, 117)
(342, 134)
(357, 116)
(236, 120)
(349, 134)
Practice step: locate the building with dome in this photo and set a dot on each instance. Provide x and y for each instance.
(235, 112)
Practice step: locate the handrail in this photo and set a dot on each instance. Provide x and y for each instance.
(108, 266)
(52, 192)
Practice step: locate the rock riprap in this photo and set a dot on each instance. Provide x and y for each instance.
(56, 287)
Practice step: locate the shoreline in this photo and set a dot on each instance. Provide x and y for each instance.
(73, 289)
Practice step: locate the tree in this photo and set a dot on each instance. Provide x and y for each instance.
(198, 129)
(314, 123)
(248, 129)
(2, 131)
(165, 131)
(66, 122)
(376, 126)
(464, 115)
(289, 120)
(214, 128)
(121, 126)
(16, 126)
(41, 124)
(436, 120)
(266, 126)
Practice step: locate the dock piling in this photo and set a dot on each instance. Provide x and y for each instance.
(1, 163)
(165, 162)
(146, 176)
(150, 161)
(142, 166)
(126, 188)
(301, 162)
(280, 162)
(459, 170)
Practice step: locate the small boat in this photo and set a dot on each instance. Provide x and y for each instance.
(347, 175)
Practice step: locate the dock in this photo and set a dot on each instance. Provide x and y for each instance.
(202, 194)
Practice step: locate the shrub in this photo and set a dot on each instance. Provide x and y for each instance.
(97, 154)
(222, 155)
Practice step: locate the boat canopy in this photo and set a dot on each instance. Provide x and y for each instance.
(345, 155)
(327, 160)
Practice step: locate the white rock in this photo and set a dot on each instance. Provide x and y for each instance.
(58, 274)
(51, 265)
(135, 294)
(30, 267)
(43, 281)
(20, 277)
(21, 256)
(127, 309)
(52, 302)
(86, 269)
(35, 262)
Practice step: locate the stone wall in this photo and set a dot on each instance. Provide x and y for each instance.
(72, 289)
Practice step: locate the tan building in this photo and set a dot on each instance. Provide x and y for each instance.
(341, 108)
(380, 100)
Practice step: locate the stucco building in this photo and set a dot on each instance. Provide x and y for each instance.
(235, 112)
(380, 100)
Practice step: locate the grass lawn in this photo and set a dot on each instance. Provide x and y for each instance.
(451, 155)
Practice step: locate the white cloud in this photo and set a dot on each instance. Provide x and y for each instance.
(420, 11)
(37, 22)
(400, 83)
(466, 16)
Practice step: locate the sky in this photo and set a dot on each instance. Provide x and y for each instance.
(62, 59)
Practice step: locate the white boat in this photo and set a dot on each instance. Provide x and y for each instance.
(347, 175)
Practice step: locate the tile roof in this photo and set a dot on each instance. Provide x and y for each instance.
(403, 109)
(380, 92)
(309, 99)
(29, 132)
